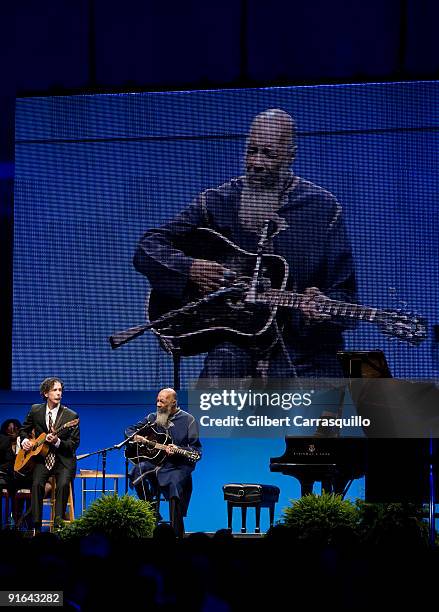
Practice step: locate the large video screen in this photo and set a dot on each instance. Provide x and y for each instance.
(317, 201)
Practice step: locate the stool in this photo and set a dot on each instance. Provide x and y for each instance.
(245, 496)
(87, 475)
(50, 501)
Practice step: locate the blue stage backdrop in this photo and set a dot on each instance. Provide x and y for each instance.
(104, 416)
(94, 172)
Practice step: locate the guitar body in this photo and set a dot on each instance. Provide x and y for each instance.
(243, 313)
(136, 452)
(228, 317)
(152, 447)
(24, 461)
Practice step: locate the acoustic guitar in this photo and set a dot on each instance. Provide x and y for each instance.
(152, 448)
(24, 460)
(243, 311)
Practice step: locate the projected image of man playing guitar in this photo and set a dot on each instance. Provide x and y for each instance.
(305, 296)
(307, 231)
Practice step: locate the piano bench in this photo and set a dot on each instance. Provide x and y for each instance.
(245, 496)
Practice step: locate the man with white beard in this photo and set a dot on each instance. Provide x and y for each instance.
(309, 234)
(173, 475)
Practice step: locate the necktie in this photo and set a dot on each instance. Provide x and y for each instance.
(50, 457)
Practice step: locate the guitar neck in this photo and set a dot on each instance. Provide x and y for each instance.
(334, 308)
(177, 449)
(57, 431)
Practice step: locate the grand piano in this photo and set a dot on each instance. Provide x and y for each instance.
(396, 468)
(336, 462)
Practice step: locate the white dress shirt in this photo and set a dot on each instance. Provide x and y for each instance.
(54, 414)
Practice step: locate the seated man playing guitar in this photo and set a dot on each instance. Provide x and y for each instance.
(306, 228)
(164, 448)
(56, 428)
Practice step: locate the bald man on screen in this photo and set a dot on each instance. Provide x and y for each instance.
(309, 233)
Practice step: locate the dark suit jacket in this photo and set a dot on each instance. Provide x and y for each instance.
(36, 420)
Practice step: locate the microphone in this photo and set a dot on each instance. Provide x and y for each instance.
(147, 424)
(128, 440)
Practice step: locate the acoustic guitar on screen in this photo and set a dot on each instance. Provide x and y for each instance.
(246, 307)
(244, 310)
(24, 460)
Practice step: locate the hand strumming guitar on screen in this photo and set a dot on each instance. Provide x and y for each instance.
(207, 275)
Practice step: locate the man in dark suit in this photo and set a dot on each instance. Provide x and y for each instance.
(61, 458)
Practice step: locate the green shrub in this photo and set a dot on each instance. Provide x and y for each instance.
(116, 517)
(327, 518)
(322, 518)
(392, 523)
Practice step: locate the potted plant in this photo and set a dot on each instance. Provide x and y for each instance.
(116, 517)
(322, 518)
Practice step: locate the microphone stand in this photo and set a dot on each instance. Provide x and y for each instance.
(126, 475)
(103, 452)
(126, 441)
(257, 274)
(122, 337)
